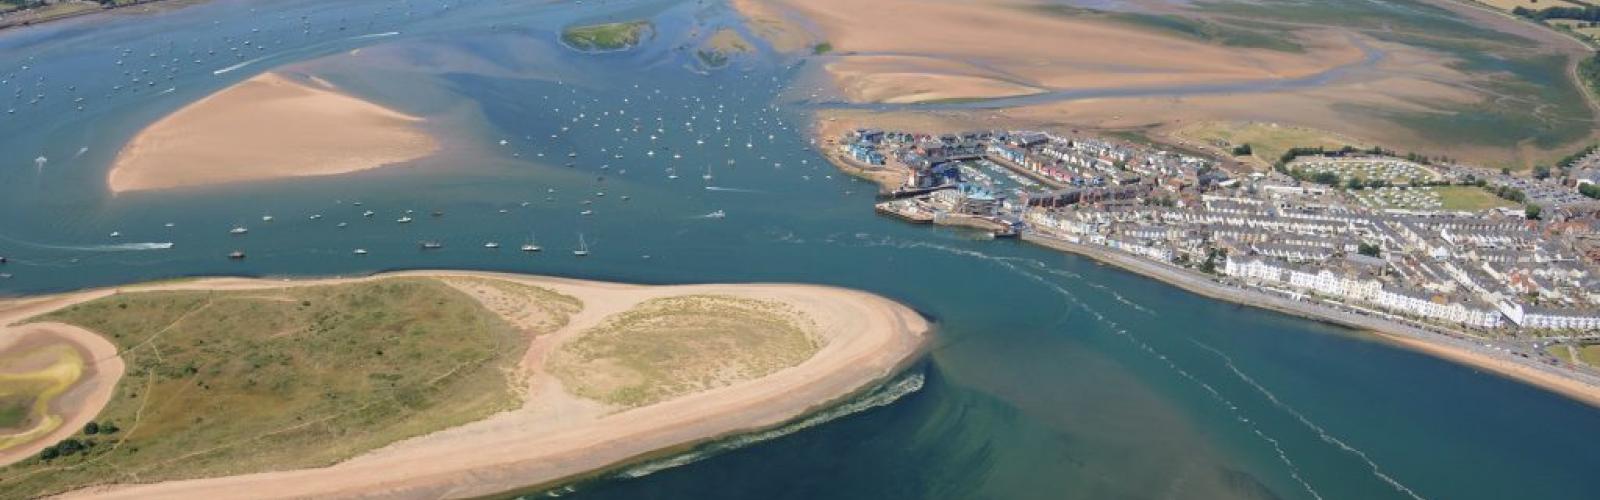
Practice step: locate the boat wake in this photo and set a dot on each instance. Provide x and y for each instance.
(1011, 264)
(230, 69)
(881, 396)
(117, 247)
(1321, 433)
(732, 189)
(375, 35)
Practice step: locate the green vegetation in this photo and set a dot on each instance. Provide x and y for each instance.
(231, 382)
(1369, 250)
(14, 411)
(1561, 352)
(821, 48)
(674, 346)
(1590, 354)
(606, 37)
(1469, 198)
(1589, 71)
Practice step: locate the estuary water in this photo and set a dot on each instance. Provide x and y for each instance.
(1050, 376)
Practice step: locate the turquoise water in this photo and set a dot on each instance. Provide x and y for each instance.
(1050, 376)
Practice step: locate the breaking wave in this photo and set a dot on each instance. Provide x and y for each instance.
(883, 395)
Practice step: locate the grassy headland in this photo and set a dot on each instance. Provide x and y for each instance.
(606, 37)
(668, 347)
(230, 382)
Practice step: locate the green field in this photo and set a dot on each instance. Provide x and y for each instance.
(1590, 354)
(1469, 198)
(222, 383)
(673, 346)
(606, 37)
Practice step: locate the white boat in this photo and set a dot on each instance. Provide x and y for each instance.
(708, 173)
(239, 230)
(491, 245)
(716, 215)
(116, 234)
(361, 251)
(403, 220)
(266, 218)
(583, 247)
(586, 212)
(532, 245)
(368, 213)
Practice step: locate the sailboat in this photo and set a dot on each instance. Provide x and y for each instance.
(532, 245)
(583, 247)
(708, 173)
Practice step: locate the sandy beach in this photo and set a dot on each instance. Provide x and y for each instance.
(268, 127)
(556, 435)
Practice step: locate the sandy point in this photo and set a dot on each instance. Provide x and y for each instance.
(268, 127)
(555, 435)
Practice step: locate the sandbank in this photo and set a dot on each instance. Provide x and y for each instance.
(271, 126)
(556, 435)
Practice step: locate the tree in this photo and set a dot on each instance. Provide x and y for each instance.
(1532, 211)
(91, 428)
(1541, 171)
(1354, 184)
(1369, 250)
(1590, 190)
(1328, 178)
(1242, 150)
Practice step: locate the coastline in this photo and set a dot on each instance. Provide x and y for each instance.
(146, 4)
(1578, 386)
(555, 437)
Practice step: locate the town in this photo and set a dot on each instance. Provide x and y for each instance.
(1442, 248)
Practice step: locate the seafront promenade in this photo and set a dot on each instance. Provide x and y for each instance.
(1449, 344)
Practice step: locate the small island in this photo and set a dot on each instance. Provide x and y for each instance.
(421, 384)
(719, 49)
(608, 37)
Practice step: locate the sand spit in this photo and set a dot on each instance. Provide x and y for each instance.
(556, 435)
(268, 127)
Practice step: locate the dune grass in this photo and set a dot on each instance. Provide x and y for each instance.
(606, 37)
(670, 347)
(222, 383)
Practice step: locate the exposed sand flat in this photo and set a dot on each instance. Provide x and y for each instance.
(769, 21)
(268, 127)
(556, 435)
(81, 402)
(910, 79)
(1039, 49)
